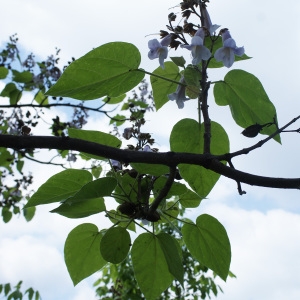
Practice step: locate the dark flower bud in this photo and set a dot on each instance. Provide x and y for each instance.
(171, 17)
(252, 130)
(186, 14)
(127, 208)
(163, 33)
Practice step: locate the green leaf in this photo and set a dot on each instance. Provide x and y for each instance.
(179, 61)
(29, 213)
(216, 45)
(95, 137)
(162, 88)
(81, 209)
(118, 120)
(114, 100)
(192, 76)
(190, 199)
(172, 256)
(96, 171)
(12, 92)
(150, 266)
(187, 136)
(20, 164)
(22, 77)
(95, 189)
(109, 70)
(60, 187)
(41, 98)
(82, 252)
(152, 169)
(3, 72)
(208, 242)
(249, 104)
(6, 214)
(115, 244)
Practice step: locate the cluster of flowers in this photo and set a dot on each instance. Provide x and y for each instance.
(199, 52)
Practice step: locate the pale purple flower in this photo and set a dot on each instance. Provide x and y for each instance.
(116, 165)
(159, 49)
(199, 51)
(127, 134)
(179, 95)
(229, 50)
(207, 22)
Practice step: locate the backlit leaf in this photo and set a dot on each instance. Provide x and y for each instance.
(108, 70)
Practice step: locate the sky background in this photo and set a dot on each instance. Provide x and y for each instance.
(263, 225)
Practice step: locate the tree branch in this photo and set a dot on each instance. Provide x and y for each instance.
(170, 159)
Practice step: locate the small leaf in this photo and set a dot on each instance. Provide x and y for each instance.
(29, 213)
(114, 100)
(162, 88)
(150, 266)
(6, 214)
(60, 187)
(179, 61)
(115, 244)
(3, 72)
(80, 209)
(108, 70)
(41, 98)
(208, 242)
(82, 252)
(22, 77)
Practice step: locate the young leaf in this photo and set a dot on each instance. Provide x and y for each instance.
(173, 258)
(3, 72)
(60, 186)
(150, 266)
(29, 213)
(249, 104)
(109, 70)
(162, 88)
(115, 244)
(81, 209)
(179, 61)
(208, 242)
(82, 252)
(186, 136)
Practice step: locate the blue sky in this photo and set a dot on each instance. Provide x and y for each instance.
(263, 225)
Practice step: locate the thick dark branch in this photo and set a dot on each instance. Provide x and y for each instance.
(170, 159)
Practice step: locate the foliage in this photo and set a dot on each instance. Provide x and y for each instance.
(16, 293)
(150, 236)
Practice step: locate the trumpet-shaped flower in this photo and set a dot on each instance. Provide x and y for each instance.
(159, 49)
(207, 22)
(199, 51)
(179, 95)
(229, 50)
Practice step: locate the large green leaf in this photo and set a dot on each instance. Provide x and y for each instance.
(60, 186)
(152, 169)
(208, 242)
(187, 136)
(247, 99)
(150, 266)
(81, 209)
(115, 244)
(82, 252)
(162, 88)
(96, 137)
(109, 70)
